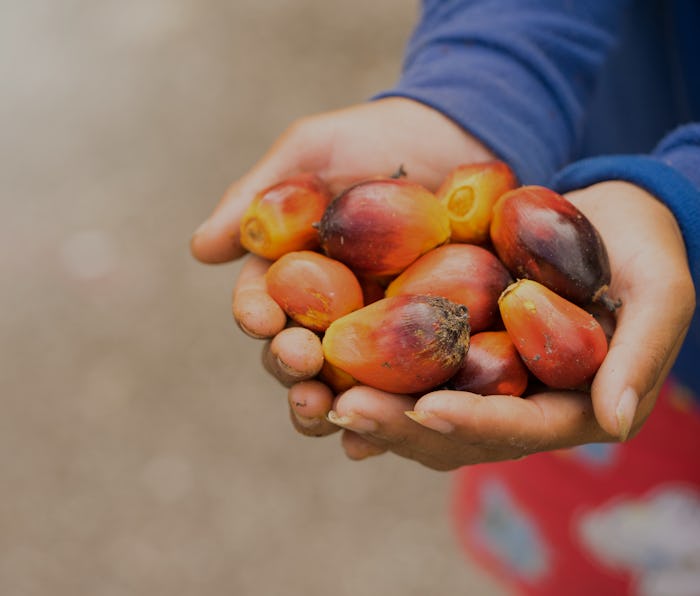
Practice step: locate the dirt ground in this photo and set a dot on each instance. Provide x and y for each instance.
(143, 451)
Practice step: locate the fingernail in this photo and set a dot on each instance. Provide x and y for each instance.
(288, 370)
(626, 409)
(431, 421)
(353, 422)
(307, 422)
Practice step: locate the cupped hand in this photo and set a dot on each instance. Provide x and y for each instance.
(341, 147)
(448, 429)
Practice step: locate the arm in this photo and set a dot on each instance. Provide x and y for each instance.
(671, 173)
(516, 74)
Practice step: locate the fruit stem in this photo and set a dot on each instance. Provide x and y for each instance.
(509, 289)
(602, 296)
(399, 173)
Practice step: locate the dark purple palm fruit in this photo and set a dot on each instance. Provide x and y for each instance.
(540, 235)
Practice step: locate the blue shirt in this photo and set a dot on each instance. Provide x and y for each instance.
(574, 92)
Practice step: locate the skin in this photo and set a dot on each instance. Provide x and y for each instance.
(445, 430)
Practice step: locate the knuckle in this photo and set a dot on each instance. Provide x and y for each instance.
(300, 127)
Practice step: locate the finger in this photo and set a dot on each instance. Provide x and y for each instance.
(369, 411)
(256, 313)
(217, 239)
(379, 418)
(294, 354)
(651, 325)
(357, 448)
(651, 276)
(309, 404)
(649, 334)
(511, 425)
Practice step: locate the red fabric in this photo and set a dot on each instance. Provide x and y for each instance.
(527, 521)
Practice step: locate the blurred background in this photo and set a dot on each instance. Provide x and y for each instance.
(142, 449)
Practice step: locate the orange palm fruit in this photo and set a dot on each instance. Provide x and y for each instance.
(540, 235)
(281, 218)
(469, 192)
(404, 344)
(561, 344)
(378, 227)
(314, 290)
(338, 380)
(492, 367)
(464, 273)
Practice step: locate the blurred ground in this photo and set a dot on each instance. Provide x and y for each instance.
(142, 449)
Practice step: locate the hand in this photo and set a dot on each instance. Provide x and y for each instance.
(340, 147)
(650, 275)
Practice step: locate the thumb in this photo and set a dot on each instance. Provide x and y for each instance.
(650, 274)
(649, 334)
(217, 240)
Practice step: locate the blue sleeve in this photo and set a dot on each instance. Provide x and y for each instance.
(672, 174)
(517, 74)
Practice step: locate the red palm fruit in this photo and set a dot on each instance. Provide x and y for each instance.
(314, 290)
(540, 235)
(469, 192)
(464, 273)
(378, 227)
(492, 367)
(561, 344)
(405, 344)
(372, 289)
(338, 380)
(605, 317)
(281, 218)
